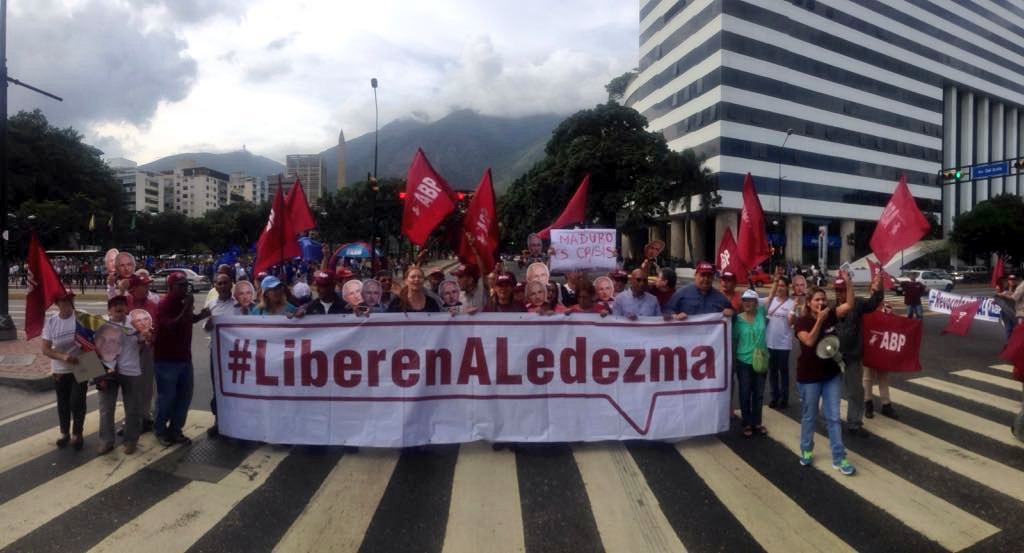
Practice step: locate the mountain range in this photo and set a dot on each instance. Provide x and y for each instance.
(460, 146)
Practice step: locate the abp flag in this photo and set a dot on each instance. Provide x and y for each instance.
(961, 317)
(44, 287)
(752, 236)
(901, 225)
(481, 223)
(729, 258)
(428, 200)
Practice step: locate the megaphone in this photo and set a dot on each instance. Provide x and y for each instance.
(828, 348)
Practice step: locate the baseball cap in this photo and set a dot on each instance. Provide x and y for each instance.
(619, 274)
(321, 278)
(520, 286)
(261, 275)
(705, 267)
(270, 282)
(436, 271)
(343, 272)
(505, 279)
(749, 295)
(729, 275)
(840, 282)
(175, 278)
(301, 290)
(467, 270)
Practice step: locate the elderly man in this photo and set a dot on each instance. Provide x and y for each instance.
(636, 301)
(222, 304)
(173, 356)
(698, 298)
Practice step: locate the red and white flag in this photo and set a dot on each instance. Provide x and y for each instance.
(876, 269)
(44, 287)
(1013, 352)
(575, 211)
(998, 271)
(961, 317)
(752, 237)
(299, 218)
(276, 244)
(901, 225)
(729, 258)
(481, 223)
(428, 200)
(891, 342)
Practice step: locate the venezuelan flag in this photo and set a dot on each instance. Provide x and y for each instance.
(86, 325)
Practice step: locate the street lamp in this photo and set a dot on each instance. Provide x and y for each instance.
(7, 330)
(789, 132)
(373, 181)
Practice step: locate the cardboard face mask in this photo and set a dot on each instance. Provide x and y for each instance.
(108, 259)
(140, 320)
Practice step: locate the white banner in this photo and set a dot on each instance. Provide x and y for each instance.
(393, 380)
(582, 249)
(944, 302)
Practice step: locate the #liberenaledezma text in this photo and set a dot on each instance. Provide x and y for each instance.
(395, 380)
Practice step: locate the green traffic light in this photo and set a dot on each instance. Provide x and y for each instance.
(958, 173)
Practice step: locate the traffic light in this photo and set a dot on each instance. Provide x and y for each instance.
(952, 174)
(1019, 164)
(401, 195)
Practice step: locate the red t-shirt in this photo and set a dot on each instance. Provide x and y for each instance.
(810, 367)
(912, 292)
(173, 341)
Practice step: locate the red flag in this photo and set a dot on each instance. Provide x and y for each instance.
(428, 200)
(575, 210)
(752, 237)
(298, 218)
(891, 342)
(960, 318)
(901, 225)
(482, 223)
(998, 271)
(1013, 352)
(729, 258)
(44, 287)
(876, 269)
(275, 244)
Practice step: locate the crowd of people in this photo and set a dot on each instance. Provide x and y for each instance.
(154, 333)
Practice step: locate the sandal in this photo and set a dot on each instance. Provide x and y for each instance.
(748, 431)
(761, 431)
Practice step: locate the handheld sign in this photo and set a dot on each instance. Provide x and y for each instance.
(580, 249)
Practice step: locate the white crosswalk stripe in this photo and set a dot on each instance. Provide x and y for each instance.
(484, 498)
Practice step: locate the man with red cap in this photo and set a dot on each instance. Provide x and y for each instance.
(851, 345)
(172, 352)
(503, 300)
(700, 297)
(727, 283)
(327, 301)
(471, 293)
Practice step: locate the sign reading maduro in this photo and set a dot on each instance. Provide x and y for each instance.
(394, 380)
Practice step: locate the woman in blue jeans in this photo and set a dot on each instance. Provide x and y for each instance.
(748, 332)
(819, 380)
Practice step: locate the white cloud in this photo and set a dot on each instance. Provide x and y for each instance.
(165, 76)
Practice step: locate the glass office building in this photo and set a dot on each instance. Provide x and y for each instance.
(870, 90)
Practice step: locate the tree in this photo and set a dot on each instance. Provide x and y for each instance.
(993, 226)
(616, 88)
(634, 176)
(346, 215)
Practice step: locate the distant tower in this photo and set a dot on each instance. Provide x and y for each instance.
(341, 159)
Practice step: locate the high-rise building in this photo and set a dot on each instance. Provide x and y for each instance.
(243, 188)
(827, 103)
(311, 172)
(140, 190)
(341, 159)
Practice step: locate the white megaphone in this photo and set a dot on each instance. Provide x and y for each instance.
(828, 348)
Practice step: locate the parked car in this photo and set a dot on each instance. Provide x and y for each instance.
(760, 278)
(196, 282)
(931, 279)
(974, 273)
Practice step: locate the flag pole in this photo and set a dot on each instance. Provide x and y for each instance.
(280, 224)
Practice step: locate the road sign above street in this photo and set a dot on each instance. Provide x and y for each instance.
(989, 170)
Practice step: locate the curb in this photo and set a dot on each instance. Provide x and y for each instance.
(31, 382)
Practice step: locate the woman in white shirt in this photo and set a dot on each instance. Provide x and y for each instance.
(60, 346)
(779, 337)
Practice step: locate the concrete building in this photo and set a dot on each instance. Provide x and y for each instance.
(341, 159)
(243, 188)
(140, 190)
(194, 190)
(311, 172)
(871, 91)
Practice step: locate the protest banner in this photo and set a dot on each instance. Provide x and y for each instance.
(581, 249)
(393, 380)
(891, 342)
(944, 302)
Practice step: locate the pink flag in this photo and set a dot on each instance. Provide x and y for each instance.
(901, 225)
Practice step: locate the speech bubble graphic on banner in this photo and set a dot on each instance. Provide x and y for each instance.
(501, 372)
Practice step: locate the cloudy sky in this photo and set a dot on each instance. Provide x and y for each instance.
(147, 78)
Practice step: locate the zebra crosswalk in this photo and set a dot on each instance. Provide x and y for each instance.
(947, 475)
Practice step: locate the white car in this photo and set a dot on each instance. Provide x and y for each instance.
(930, 279)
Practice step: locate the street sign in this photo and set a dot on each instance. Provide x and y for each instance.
(988, 170)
